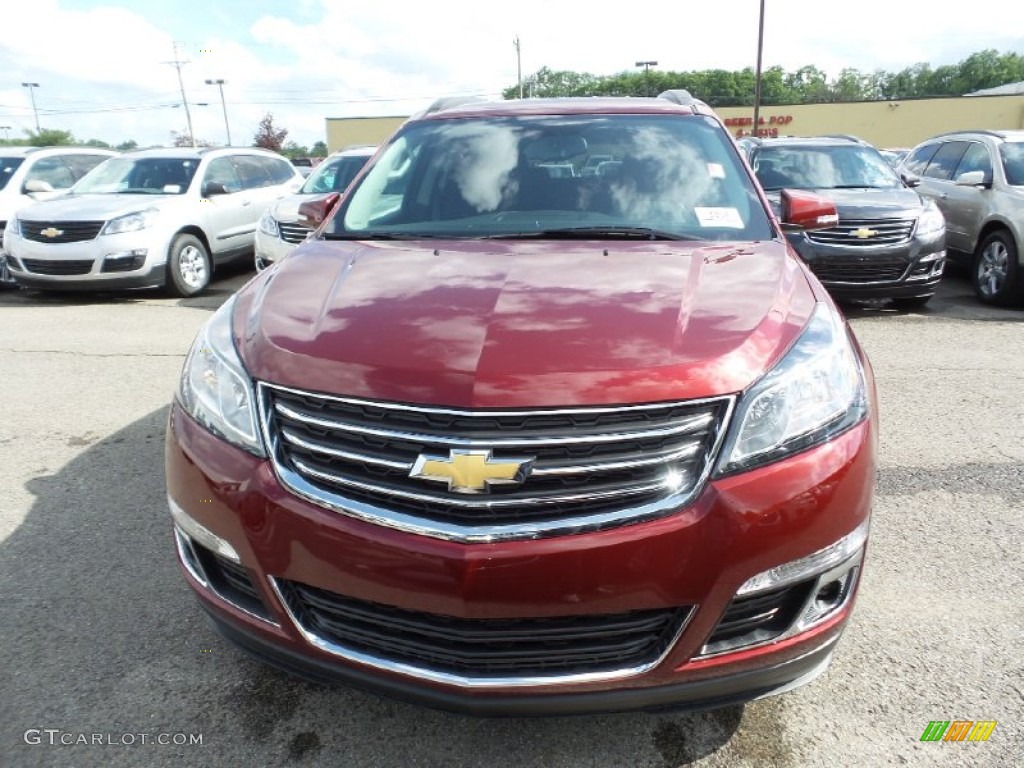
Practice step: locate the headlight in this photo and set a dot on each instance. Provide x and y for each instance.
(815, 392)
(931, 220)
(130, 223)
(14, 226)
(215, 389)
(268, 225)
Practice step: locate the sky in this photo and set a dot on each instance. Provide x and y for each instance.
(104, 72)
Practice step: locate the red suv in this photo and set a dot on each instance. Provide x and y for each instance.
(505, 436)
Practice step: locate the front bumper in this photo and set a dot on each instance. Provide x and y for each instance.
(907, 270)
(697, 557)
(270, 249)
(107, 262)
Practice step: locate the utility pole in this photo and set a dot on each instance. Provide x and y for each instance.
(220, 84)
(178, 64)
(757, 76)
(519, 65)
(32, 93)
(5, 129)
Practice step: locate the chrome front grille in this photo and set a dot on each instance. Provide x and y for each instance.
(293, 231)
(865, 232)
(584, 468)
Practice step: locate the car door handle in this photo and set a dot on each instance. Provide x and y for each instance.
(944, 195)
(247, 203)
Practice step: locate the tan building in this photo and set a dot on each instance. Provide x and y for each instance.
(883, 123)
(348, 131)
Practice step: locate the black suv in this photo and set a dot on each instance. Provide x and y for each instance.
(889, 242)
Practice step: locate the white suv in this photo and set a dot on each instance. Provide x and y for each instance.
(30, 174)
(280, 229)
(149, 218)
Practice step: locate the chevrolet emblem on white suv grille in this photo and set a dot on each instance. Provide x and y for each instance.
(51, 232)
(471, 471)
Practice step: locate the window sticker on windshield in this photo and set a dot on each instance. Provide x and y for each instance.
(716, 171)
(728, 218)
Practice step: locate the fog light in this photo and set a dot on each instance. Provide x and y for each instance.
(124, 261)
(812, 565)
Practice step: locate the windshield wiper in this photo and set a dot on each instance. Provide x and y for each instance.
(381, 236)
(591, 233)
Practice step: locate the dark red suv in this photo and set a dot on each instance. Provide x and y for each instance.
(546, 417)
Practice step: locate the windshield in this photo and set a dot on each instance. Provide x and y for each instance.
(586, 176)
(8, 165)
(334, 175)
(823, 167)
(142, 175)
(1013, 162)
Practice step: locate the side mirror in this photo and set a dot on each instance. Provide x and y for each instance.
(910, 179)
(313, 212)
(806, 211)
(37, 185)
(212, 188)
(973, 179)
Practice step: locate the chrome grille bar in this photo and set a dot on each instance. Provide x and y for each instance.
(865, 232)
(585, 468)
(692, 424)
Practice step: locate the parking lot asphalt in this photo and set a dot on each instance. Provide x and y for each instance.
(101, 640)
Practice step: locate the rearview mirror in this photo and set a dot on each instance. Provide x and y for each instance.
(313, 212)
(37, 185)
(806, 211)
(910, 179)
(212, 188)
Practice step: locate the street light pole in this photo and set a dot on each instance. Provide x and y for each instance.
(757, 75)
(647, 74)
(32, 93)
(220, 85)
(5, 129)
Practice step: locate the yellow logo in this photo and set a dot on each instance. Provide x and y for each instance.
(51, 232)
(864, 233)
(467, 471)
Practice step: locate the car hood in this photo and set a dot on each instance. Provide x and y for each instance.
(519, 324)
(90, 207)
(287, 208)
(898, 202)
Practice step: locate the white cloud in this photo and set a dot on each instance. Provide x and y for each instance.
(308, 60)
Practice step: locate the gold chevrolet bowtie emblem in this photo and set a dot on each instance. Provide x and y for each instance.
(864, 233)
(467, 471)
(51, 232)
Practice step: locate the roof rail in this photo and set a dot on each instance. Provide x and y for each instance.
(847, 136)
(983, 131)
(448, 102)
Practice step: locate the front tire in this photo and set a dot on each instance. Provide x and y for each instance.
(189, 268)
(995, 272)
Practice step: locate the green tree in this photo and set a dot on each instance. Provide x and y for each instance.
(268, 136)
(292, 150)
(319, 149)
(128, 146)
(49, 137)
